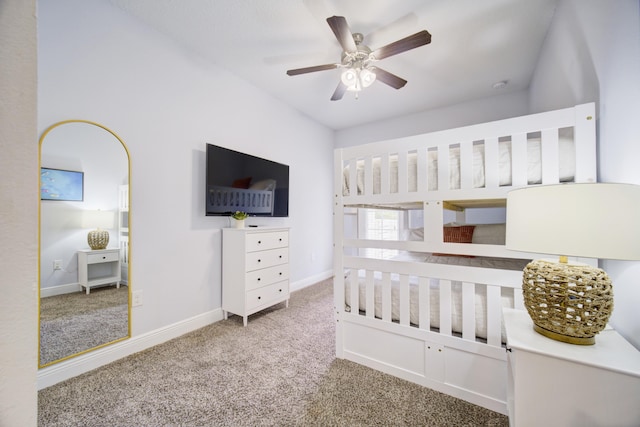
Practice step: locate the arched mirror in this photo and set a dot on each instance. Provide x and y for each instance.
(84, 289)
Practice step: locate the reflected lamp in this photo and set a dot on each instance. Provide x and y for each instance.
(570, 301)
(100, 221)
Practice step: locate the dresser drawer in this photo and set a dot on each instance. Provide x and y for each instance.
(267, 294)
(267, 276)
(104, 257)
(268, 240)
(264, 259)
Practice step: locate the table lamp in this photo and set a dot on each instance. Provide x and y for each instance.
(100, 220)
(570, 301)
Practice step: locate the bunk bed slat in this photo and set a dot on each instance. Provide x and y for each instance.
(386, 297)
(549, 157)
(443, 167)
(353, 177)
(468, 311)
(422, 183)
(424, 298)
(466, 164)
(494, 316)
(404, 300)
(369, 295)
(491, 162)
(385, 181)
(518, 299)
(584, 133)
(368, 176)
(403, 174)
(353, 290)
(519, 159)
(445, 307)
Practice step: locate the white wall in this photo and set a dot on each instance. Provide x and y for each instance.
(18, 213)
(592, 53)
(97, 63)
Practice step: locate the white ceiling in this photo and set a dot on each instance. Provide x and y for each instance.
(475, 43)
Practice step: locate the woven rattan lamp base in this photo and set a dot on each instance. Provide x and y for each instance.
(98, 239)
(567, 302)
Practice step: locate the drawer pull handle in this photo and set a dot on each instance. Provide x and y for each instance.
(279, 290)
(280, 273)
(280, 257)
(259, 241)
(280, 239)
(258, 279)
(259, 297)
(104, 257)
(258, 260)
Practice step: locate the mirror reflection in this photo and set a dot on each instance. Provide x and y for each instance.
(84, 240)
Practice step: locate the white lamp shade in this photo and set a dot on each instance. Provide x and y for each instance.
(349, 77)
(98, 219)
(597, 220)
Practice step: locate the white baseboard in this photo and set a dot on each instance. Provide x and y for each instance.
(300, 284)
(52, 291)
(84, 363)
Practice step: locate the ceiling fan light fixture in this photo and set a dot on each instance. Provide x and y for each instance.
(349, 77)
(367, 77)
(356, 79)
(357, 59)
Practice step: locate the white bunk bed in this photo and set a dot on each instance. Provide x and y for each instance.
(418, 316)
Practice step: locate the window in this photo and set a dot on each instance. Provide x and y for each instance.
(380, 224)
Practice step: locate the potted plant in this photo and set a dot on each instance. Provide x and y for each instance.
(239, 216)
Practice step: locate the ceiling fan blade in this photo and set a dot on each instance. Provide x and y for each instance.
(341, 29)
(313, 69)
(339, 93)
(388, 78)
(411, 42)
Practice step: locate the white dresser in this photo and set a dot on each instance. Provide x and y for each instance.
(558, 384)
(255, 269)
(98, 267)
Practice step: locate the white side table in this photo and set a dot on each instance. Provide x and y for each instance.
(558, 384)
(98, 267)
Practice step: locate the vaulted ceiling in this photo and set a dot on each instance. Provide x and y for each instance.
(475, 44)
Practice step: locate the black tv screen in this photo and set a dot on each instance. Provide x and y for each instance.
(240, 182)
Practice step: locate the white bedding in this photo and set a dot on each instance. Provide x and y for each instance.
(534, 166)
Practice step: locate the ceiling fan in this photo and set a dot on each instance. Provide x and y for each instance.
(358, 59)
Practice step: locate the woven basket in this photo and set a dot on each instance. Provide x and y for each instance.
(573, 300)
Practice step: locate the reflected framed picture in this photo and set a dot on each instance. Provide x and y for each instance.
(59, 184)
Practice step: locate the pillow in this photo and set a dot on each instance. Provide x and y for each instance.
(241, 183)
(490, 234)
(461, 234)
(265, 184)
(414, 234)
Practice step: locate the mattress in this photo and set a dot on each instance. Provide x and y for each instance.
(534, 166)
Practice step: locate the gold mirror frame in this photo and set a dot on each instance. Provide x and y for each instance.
(128, 243)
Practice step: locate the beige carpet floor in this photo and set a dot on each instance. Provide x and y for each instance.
(278, 371)
(72, 323)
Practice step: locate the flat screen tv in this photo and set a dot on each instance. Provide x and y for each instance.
(241, 182)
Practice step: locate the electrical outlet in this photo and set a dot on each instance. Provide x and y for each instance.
(136, 298)
(57, 264)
